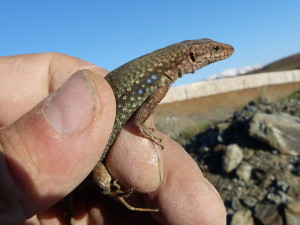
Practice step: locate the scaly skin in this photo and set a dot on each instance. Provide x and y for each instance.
(141, 84)
(147, 79)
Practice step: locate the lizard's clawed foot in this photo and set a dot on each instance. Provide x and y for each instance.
(118, 195)
(149, 132)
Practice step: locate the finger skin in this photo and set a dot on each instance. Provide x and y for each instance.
(185, 195)
(28, 79)
(40, 165)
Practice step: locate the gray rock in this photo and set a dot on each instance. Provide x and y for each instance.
(249, 201)
(223, 126)
(285, 198)
(242, 217)
(232, 157)
(281, 131)
(270, 179)
(295, 167)
(244, 171)
(292, 213)
(268, 214)
(259, 175)
(236, 204)
(229, 211)
(282, 185)
(274, 198)
(220, 138)
(293, 192)
(202, 149)
(279, 197)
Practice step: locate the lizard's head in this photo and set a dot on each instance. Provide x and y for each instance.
(203, 52)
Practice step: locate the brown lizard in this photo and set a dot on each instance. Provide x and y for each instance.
(141, 84)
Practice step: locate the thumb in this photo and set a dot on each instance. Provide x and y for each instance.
(47, 152)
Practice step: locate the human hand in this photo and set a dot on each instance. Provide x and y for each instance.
(51, 139)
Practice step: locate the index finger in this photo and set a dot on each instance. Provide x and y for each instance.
(185, 196)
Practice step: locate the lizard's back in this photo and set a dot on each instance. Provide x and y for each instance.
(133, 82)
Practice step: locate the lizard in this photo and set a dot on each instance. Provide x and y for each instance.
(140, 84)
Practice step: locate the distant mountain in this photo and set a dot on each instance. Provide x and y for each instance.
(234, 72)
(288, 63)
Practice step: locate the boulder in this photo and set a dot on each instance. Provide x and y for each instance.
(242, 217)
(281, 131)
(292, 213)
(244, 171)
(268, 214)
(232, 157)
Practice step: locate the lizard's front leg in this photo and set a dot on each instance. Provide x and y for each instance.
(147, 108)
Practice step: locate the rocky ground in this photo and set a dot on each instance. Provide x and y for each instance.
(253, 159)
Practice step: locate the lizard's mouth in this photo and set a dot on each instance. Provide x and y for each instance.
(227, 51)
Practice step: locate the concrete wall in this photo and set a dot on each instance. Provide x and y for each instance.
(215, 87)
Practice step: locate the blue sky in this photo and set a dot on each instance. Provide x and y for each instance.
(110, 33)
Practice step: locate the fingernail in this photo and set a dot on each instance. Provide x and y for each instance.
(74, 106)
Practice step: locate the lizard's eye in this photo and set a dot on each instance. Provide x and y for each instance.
(192, 56)
(216, 48)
